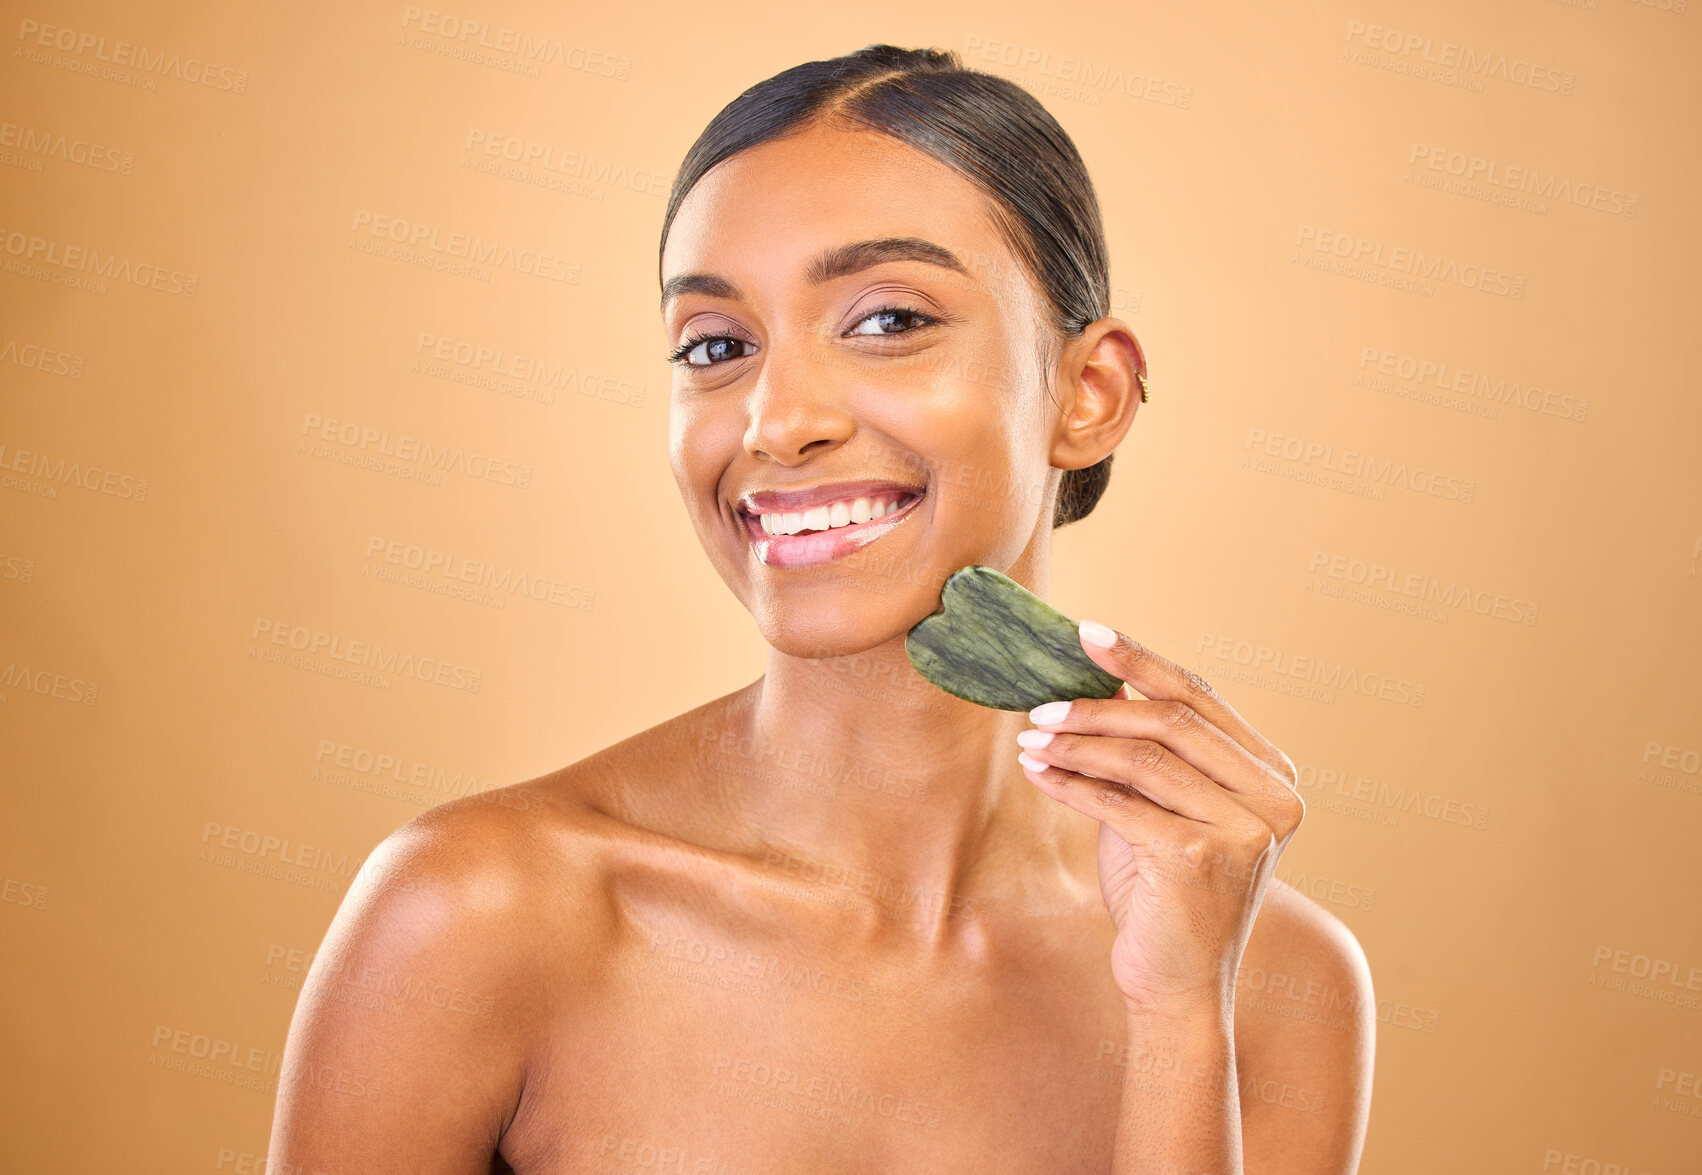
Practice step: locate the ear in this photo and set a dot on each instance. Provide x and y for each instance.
(1098, 392)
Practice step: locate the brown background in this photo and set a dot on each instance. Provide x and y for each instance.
(189, 293)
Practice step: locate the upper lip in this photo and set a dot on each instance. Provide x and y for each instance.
(799, 500)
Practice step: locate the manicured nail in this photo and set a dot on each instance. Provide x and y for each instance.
(1048, 712)
(1096, 633)
(1034, 738)
(1031, 764)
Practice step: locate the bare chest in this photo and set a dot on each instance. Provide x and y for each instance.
(705, 1052)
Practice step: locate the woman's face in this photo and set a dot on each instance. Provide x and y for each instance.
(853, 334)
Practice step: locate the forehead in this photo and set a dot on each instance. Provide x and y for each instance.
(763, 212)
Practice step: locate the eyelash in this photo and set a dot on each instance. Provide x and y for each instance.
(691, 342)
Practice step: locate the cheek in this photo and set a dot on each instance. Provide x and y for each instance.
(697, 450)
(987, 441)
(961, 403)
(982, 429)
(695, 477)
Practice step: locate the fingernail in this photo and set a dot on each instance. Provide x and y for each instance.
(1031, 764)
(1034, 738)
(1048, 712)
(1096, 633)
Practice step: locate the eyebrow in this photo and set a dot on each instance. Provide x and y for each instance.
(829, 265)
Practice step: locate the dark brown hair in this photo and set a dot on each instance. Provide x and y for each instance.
(989, 130)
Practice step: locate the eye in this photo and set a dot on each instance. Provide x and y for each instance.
(888, 316)
(708, 350)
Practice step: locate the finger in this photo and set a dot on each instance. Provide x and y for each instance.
(1161, 679)
(1136, 818)
(1147, 766)
(1190, 735)
(1226, 860)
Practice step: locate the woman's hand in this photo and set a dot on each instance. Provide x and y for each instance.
(1195, 807)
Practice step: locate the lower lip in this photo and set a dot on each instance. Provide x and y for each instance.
(822, 546)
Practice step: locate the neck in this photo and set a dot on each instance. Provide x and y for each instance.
(904, 800)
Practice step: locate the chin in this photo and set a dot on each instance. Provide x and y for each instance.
(841, 623)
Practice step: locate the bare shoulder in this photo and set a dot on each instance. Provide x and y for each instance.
(424, 962)
(462, 934)
(1305, 1033)
(1299, 952)
(466, 874)
(482, 878)
(478, 877)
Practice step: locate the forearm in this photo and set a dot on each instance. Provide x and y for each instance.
(1181, 1107)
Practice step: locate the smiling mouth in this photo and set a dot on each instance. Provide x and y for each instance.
(840, 515)
(827, 532)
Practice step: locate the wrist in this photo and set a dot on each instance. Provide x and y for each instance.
(1182, 1057)
(1190, 1014)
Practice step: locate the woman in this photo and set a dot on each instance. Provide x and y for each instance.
(839, 920)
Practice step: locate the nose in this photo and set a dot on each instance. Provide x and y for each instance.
(795, 411)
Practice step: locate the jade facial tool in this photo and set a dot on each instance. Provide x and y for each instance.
(995, 643)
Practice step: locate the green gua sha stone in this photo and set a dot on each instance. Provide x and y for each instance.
(997, 644)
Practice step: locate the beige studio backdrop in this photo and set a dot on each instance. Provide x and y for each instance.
(335, 485)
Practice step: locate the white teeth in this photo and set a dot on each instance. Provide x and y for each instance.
(846, 512)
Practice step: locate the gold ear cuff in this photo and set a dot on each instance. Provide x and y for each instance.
(1141, 377)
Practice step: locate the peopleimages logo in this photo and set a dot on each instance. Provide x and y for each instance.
(1527, 181)
(474, 40)
(375, 444)
(332, 760)
(1380, 578)
(417, 235)
(1314, 670)
(47, 360)
(47, 144)
(1077, 71)
(49, 259)
(310, 643)
(129, 55)
(1379, 802)
(61, 471)
(1493, 390)
(1382, 472)
(1453, 55)
(48, 684)
(463, 576)
(1413, 265)
(516, 374)
(573, 164)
